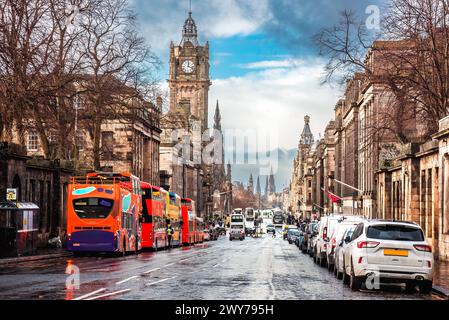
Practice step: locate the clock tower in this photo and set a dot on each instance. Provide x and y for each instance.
(189, 80)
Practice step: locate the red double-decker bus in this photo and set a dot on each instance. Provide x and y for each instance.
(154, 222)
(188, 221)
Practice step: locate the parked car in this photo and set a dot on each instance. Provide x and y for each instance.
(343, 224)
(206, 235)
(325, 230)
(393, 251)
(307, 236)
(286, 228)
(311, 242)
(300, 242)
(342, 245)
(292, 235)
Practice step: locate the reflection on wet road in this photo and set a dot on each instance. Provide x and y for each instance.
(263, 268)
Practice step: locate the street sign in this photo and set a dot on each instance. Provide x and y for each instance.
(11, 194)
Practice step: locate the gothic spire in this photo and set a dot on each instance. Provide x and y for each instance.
(251, 183)
(258, 190)
(217, 118)
(306, 136)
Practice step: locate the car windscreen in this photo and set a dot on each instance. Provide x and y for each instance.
(93, 208)
(237, 218)
(395, 233)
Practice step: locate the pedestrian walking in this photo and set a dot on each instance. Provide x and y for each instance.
(169, 235)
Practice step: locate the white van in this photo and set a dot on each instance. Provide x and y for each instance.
(326, 229)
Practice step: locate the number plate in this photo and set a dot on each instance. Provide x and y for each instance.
(398, 253)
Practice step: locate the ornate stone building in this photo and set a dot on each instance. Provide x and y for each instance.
(187, 121)
(301, 182)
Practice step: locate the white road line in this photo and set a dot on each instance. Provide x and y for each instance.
(160, 281)
(110, 294)
(184, 260)
(152, 270)
(216, 265)
(170, 264)
(225, 260)
(126, 280)
(90, 294)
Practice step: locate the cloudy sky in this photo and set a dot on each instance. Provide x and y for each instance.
(264, 67)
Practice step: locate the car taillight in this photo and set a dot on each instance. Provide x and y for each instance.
(367, 244)
(334, 243)
(423, 247)
(325, 233)
(429, 264)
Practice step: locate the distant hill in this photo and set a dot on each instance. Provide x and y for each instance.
(282, 176)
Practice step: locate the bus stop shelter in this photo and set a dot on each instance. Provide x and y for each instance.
(19, 226)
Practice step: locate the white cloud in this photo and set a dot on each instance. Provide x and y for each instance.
(277, 99)
(268, 64)
(161, 21)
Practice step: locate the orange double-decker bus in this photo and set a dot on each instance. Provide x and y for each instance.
(174, 217)
(188, 221)
(154, 223)
(104, 213)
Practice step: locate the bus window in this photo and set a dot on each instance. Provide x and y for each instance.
(93, 208)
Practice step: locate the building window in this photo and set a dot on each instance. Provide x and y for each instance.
(33, 141)
(107, 143)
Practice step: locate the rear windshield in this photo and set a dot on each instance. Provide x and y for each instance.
(395, 232)
(93, 208)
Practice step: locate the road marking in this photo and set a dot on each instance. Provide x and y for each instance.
(169, 265)
(152, 270)
(90, 294)
(183, 260)
(225, 260)
(110, 294)
(159, 281)
(216, 265)
(126, 280)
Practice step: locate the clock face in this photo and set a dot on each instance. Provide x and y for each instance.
(188, 66)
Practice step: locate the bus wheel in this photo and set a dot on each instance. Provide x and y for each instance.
(137, 246)
(124, 247)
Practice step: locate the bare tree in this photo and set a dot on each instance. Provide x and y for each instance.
(117, 63)
(409, 58)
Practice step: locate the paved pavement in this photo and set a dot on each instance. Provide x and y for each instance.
(262, 268)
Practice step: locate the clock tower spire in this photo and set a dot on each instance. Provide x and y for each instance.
(189, 80)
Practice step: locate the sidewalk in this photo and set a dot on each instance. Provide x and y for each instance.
(441, 280)
(42, 254)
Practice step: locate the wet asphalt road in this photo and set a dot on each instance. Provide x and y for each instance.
(264, 268)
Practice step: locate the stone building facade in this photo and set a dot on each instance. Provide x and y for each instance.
(40, 181)
(413, 187)
(129, 143)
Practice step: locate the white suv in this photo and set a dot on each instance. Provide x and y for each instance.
(388, 252)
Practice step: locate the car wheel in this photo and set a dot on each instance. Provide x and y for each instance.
(355, 283)
(345, 275)
(330, 267)
(425, 287)
(410, 287)
(323, 262)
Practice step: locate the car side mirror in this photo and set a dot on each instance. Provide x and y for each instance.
(348, 239)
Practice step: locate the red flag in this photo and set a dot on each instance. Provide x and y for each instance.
(334, 198)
